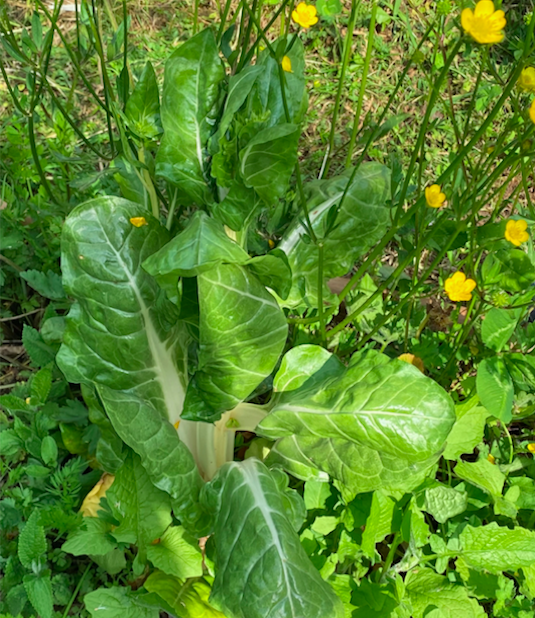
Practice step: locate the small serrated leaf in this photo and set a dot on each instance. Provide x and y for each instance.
(32, 542)
(39, 352)
(39, 590)
(48, 285)
(41, 385)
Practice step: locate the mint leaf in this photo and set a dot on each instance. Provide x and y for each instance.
(32, 542)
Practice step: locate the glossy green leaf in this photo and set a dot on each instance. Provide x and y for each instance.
(199, 248)
(49, 450)
(117, 602)
(273, 270)
(467, 432)
(271, 577)
(497, 548)
(143, 106)
(432, 595)
(193, 76)
(497, 328)
(495, 388)
(230, 366)
(144, 511)
(177, 554)
(268, 160)
(444, 502)
(387, 406)
(361, 222)
(119, 339)
(302, 362)
(239, 206)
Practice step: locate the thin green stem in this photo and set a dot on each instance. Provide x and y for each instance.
(321, 316)
(195, 16)
(76, 591)
(346, 55)
(363, 80)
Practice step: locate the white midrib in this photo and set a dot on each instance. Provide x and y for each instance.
(288, 243)
(164, 368)
(260, 500)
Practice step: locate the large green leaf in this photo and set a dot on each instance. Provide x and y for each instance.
(498, 326)
(191, 91)
(271, 577)
(242, 333)
(497, 548)
(93, 537)
(144, 511)
(200, 247)
(361, 222)
(374, 424)
(268, 160)
(143, 105)
(118, 338)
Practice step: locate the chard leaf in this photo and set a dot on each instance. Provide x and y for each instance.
(199, 248)
(268, 160)
(118, 338)
(272, 577)
(497, 548)
(361, 222)
(375, 424)
(238, 317)
(238, 207)
(143, 105)
(388, 406)
(193, 76)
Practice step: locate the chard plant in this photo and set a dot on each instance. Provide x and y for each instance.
(185, 328)
(174, 334)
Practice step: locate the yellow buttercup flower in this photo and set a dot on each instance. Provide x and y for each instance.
(484, 24)
(305, 15)
(91, 503)
(287, 64)
(459, 288)
(515, 232)
(526, 81)
(138, 221)
(412, 360)
(531, 447)
(176, 425)
(492, 459)
(434, 196)
(532, 112)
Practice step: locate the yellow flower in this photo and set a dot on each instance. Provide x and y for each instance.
(305, 15)
(515, 232)
(459, 288)
(176, 425)
(484, 24)
(287, 64)
(138, 221)
(492, 459)
(531, 447)
(413, 360)
(532, 112)
(91, 503)
(526, 81)
(434, 196)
